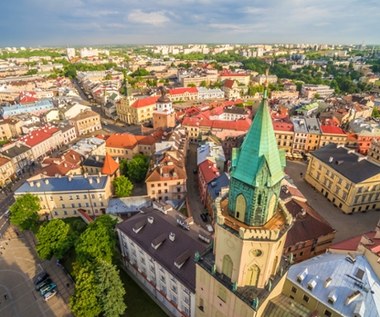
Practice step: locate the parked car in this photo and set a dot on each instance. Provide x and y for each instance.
(40, 277)
(204, 217)
(48, 288)
(43, 283)
(50, 294)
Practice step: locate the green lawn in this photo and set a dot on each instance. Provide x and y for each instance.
(139, 304)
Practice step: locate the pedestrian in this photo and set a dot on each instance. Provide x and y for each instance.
(5, 296)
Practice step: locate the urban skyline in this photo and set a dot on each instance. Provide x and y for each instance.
(81, 22)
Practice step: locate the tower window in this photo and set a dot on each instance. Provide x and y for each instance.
(259, 199)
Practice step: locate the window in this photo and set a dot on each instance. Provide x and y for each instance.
(306, 298)
(73, 205)
(328, 313)
(71, 197)
(77, 196)
(63, 206)
(294, 289)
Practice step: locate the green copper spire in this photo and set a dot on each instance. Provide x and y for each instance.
(256, 171)
(259, 146)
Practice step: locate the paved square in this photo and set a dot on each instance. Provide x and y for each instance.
(18, 266)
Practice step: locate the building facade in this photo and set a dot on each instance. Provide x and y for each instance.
(62, 197)
(86, 122)
(347, 179)
(159, 254)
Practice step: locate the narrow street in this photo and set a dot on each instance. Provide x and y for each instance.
(193, 197)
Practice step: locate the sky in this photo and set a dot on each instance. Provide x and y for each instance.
(107, 22)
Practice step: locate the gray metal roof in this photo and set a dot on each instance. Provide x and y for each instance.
(16, 150)
(63, 184)
(347, 163)
(168, 252)
(347, 279)
(127, 204)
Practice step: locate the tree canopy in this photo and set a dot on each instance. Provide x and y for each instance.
(24, 211)
(137, 168)
(54, 239)
(123, 186)
(98, 291)
(110, 289)
(85, 301)
(97, 242)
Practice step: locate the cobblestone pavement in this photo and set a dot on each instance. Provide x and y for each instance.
(18, 266)
(346, 225)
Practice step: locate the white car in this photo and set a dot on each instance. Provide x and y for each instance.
(49, 295)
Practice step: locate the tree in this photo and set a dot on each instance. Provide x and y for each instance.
(137, 168)
(123, 186)
(85, 301)
(24, 212)
(54, 239)
(97, 242)
(123, 167)
(203, 83)
(375, 112)
(110, 290)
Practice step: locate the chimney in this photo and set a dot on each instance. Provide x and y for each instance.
(172, 236)
(328, 282)
(150, 219)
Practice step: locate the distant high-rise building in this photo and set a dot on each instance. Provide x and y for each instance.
(70, 52)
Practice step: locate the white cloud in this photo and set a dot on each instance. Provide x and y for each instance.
(155, 18)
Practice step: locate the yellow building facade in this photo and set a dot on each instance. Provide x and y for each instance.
(62, 197)
(347, 179)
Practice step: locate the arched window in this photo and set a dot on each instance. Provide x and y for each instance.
(252, 276)
(227, 266)
(241, 206)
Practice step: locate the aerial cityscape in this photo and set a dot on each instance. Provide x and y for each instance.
(190, 159)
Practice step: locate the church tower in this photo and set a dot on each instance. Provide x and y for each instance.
(163, 114)
(250, 229)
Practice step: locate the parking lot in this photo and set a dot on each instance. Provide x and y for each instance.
(18, 266)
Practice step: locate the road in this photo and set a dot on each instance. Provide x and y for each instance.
(346, 225)
(193, 196)
(108, 124)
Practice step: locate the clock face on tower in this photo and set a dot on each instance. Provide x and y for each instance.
(255, 252)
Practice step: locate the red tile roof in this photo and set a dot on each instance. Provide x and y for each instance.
(283, 126)
(208, 170)
(145, 102)
(3, 161)
(182, 90)
(231, 74)
(228, 83)
(124, 140)
(37, 136)
(109, 166)
(353, 243)
(329, 129)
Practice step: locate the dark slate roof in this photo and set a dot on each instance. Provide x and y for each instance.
(63, 184)
(217, 184)
(94, 161)
(15, 150)
(183, 248)
(308, 224)
(347, 163)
